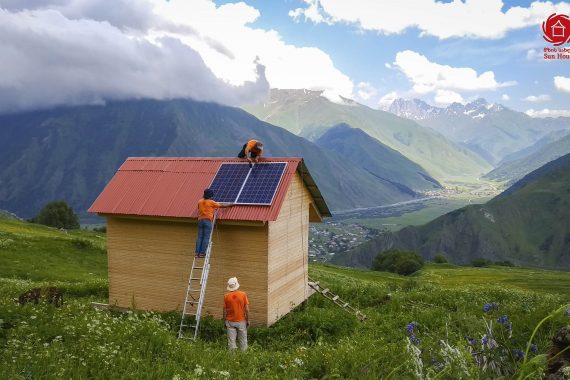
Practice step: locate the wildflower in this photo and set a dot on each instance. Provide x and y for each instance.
(533, 348)
(567, 312)
(415, 340)
(518, 354)
(298, 361)
(490, 306)
(471, 340)
(198, 371)
(484, 340)
(503, 319)
(410, 327)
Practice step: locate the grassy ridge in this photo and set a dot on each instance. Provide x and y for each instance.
(317, 340)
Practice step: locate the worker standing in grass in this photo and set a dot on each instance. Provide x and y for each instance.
(236, 315)
(206, 207)
(251, 150)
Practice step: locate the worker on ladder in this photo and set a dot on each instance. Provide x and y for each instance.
(252, 150)
(206, 207)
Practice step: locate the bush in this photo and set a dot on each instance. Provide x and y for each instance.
(481, 262)
(505, 263)
(439, 259)
(102, 229)
(401, 262)
(82, 244)
(57, 214)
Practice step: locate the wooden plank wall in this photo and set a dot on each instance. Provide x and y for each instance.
(150, 261)
(288, 252)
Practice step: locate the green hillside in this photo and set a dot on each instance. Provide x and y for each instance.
(316, 341)
(529, 224)
(514, 170)
(307, 113)
(71, 153)
(376, 158)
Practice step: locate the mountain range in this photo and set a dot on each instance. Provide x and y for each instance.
(490, 130)
(545, 150)
(71, 152)
(310, 114)
(528, 224)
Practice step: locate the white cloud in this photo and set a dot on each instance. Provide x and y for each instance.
(468, 18)
(445, 97)
(84, 51)
(532, 54)
(312, 13)
(386, 101)
(547, 113)
(505, 97)
(562, 83)
(537, 99)
(365, 90)
(430, 77)
(387, 65)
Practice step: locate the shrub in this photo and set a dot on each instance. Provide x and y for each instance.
(102, 229)
(395, 261)
(82, 244)
(439, 259)
(481, 262)
(57, 214)
(505, 263)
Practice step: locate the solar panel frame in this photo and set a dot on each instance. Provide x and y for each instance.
(225, 198)
(268, 188)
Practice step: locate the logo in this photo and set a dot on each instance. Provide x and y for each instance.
(556, 29)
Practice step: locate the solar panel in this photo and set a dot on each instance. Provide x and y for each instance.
(238, 183)
(228, 182)
(262, 183)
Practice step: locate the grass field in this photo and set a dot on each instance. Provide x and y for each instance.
(316, 341)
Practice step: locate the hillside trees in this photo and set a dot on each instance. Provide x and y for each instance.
(401, 262)
(57, 214)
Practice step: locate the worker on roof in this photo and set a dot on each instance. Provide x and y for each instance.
(252, 150)
(236, 315)
(206, 207)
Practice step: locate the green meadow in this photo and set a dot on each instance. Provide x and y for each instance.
(431, 325)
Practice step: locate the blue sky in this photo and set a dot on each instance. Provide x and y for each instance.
(362, 55)
(59, 52)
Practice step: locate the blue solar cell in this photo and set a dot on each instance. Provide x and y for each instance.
(228, 182)
(262, 183)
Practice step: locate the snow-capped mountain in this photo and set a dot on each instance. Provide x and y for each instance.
(490, 130)
(416, 109)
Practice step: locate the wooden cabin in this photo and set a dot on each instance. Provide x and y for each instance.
(151, 209)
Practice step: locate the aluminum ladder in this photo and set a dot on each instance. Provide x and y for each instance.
(325, 292)
(196, 291)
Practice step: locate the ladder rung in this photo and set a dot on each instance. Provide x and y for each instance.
(345, 305)
(325, 291)
(195, 278)
(335, 298)
(198, 267)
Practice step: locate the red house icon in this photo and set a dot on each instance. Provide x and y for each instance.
(558, 29)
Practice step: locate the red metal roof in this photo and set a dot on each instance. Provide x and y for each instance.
(172, 186)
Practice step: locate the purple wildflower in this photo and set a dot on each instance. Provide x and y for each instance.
(533, 348)
(410, 327)
(490, 306)
(415, 340)
(518, 354)
(503, 320)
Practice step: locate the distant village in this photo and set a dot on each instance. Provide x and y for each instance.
(332, 238)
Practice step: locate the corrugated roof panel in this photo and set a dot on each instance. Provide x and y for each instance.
(171, 187)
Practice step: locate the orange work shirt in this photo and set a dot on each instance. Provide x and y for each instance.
(206, 208)
(234, 303)
(250, 147)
